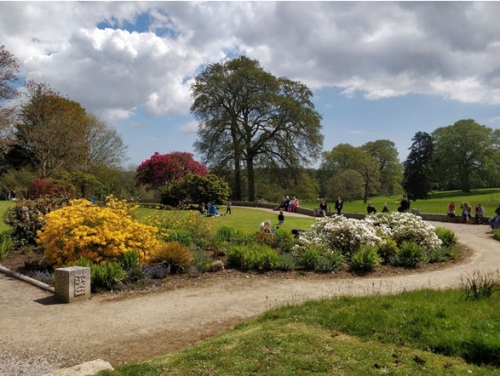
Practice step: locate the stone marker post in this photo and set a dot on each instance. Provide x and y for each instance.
(72, 284)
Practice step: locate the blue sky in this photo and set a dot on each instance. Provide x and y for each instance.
(378, 70)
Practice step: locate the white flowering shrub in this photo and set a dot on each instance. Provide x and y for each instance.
(403, 227)
(344, 234)
(380, 229)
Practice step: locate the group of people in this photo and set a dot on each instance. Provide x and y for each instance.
(287, 204)
(479, 213)
(323, 207)
(403, 206)
(210, 210)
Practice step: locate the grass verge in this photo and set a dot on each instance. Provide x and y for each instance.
(415, 333)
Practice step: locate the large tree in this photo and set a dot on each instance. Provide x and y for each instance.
(463, 151)
(390, 169)
(418, 166)
(347, 157)
(248, 115)
(162, 169)
(8, 78)
(52, 130)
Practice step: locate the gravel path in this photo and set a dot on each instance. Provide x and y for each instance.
(38, 335)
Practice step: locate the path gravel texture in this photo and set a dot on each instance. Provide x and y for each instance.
(38, 335)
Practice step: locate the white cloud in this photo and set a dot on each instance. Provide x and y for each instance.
(190, 127)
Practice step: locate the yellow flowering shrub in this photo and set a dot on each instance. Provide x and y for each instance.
(97, 233)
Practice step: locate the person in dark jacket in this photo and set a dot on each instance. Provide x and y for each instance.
(339, 204)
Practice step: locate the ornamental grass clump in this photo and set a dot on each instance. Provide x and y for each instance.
(174, 254)
(97, 233)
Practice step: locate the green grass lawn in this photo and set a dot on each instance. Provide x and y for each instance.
(242, 219)
(436, 204)
(415, 333)
(4, 205)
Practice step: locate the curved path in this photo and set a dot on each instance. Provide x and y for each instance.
(143, 326)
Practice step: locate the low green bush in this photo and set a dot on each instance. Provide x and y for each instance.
(310, 257)
(410, 254)
(283, 240)
(387, 250)
(253, 256)
(329, 261)
(286, 262)
(447, 236)
(108, 276)
(365, 259)
(180, 236)
(129, 261)
(202, 262)
(6, 244)
(438, 255)
(226, 234)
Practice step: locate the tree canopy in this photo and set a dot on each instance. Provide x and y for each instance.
(162, 169)
(418, 167)
(248, 116)
(463, 153)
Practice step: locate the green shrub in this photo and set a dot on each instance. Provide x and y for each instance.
(201, 261)
(253, 256)
(180, 236)
(437, 255)
(108, 276)
(226, 234)
(365, 259)
(283, 240)
(387, 249)
(6, 244)
(479, 286)
(286, 262)
(447, 236)
(26, 218)
(329, 261)
(129, 261)
(310, 257)
(410, 254)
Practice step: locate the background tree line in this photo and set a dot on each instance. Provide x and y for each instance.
(258, 134)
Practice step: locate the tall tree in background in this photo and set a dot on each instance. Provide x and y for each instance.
(247, 115)
(347, 157)
(390, 169)
(52, 130)
(418, 167)
(463, 151)
(8, 78)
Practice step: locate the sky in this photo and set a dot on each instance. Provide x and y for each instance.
(377, 70)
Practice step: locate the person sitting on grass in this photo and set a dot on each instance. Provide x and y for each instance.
(203, 210)
(212, 210)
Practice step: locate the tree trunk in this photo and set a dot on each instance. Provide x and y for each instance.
(251, 180)
(237, 180)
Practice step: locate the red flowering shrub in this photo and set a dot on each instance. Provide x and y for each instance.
(161, 169)
(50, 187)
